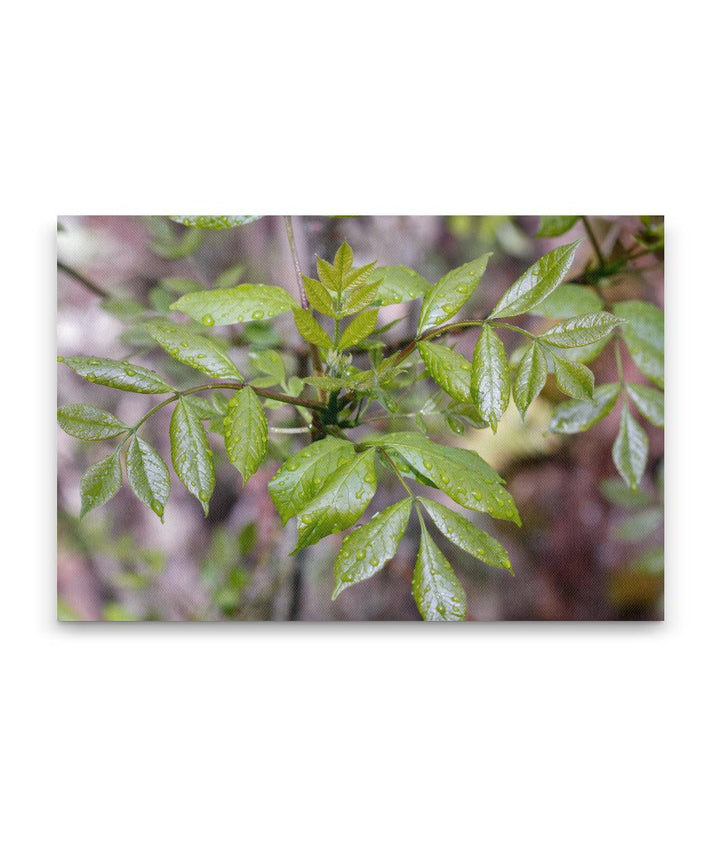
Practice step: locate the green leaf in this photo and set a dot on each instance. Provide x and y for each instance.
(247, 302)
(179, 284)
(537, 283)
(399, 284)
(358, 329)
(148, 475)
(437, 591)
(617, 492)
(462, 475)
(450, 293)
(100, 483)
(318, 296)
(553, 227)
(530, 378)
(574, 379)
(208, 408)
(448, 369)
(573, 417)
(191, 454)
(630, 449)
(270, 363)
(246, 432)
(567, 301)
(361, 291)
(341, 500)
(229, 277)
(89, 423)
(490, 379)
(119, 375)
(310, 330)
(639, 526)
(330, 278)
(302, 476)
(649, 401)
(226, 222)
(193, 350)
(333, 384)
(582, 330)
(344, 259)
(467, 536)
(644, 335)
(366, 550)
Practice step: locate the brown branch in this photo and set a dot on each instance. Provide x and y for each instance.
(83, 280)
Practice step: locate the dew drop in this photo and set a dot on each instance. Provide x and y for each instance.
(208, 320)
(257, 315)
(306, 519)
(91, 377)
(360, 555)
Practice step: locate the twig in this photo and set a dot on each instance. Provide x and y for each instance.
(83, 280)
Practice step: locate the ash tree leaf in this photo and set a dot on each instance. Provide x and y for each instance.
(193, 350)
(630, 449)
(399, 284)
(365, 551)
(574, 379)
(330, 278)
(301, 477)
(269, 363)
(341, 500)
(554, 226)
(567, 301)
(461, 474)
(358, 329)
(644, 335)
(89, 423)
(573, 417)
(310, 330)
(649, 401)
(224, 222)
(246, 302)
(490, 377)
(191, 454)
(119, 375)
(100, 483)
(180, 284)
(465, 535)
(530, 378)
(318, 296)
(449, 370)
(582, 330)
(344, 259)
(148, 475)
(437, 591)
(361, 290)
(229, 277)
(639, 525)
(537, 283)
(246, 432)
(450, 293)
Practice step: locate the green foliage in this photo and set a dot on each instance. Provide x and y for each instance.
(329, 483)
(202, 222)
(553, 227)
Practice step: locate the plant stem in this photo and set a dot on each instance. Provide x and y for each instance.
(393, 466)
(512, 327)
(83, 280)
(593, 240)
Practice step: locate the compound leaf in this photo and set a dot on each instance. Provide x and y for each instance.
(450, 293)
(358, 329)
(644, 335)
(574, 379)
(148, 475)
(366, 550)
(449, 370)
(649, 401)
(247, 302)
(582, 330)
(318, 296)
(246, 432)
(490, 378)
(537, 283)
(119, 375)
(100, 483)
(310, 330)
(193, 350)
(437, 591)
(89, 423)
(530, 378)
(630, 449)
(191, 454)
(573, 417)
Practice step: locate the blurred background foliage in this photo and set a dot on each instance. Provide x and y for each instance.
(589, 548)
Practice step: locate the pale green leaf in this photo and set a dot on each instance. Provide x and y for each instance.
(530, 377)
(246, 432)
(366, 550)
(180, 284)
(361, 291)
(573, 417)
(341, 500)
(302, 476)
(553, 226)
(450, 293)
(618, 493)
(100, 483)
(148, 475)
(448, 369)
(269, 363)
(330, 278)
(399, 284)
(437, 591)
(191, 454)
(358, 329)
(467, 536)
(224, 222)
(574, 379)
(246, 302)
(630, 449)
(649, 401)
(89, 423)
(463, 475)
(318, 296)
(582, 330)
(567, 301)
(229, 277)
(192, 349)
(119, 375)
(490, 377)
(644, 335)
(639, 525)
(344, 259)
(537, 283)
(310, 330)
